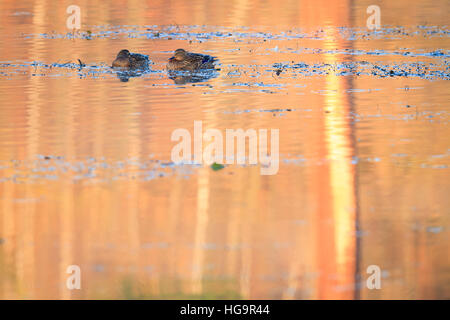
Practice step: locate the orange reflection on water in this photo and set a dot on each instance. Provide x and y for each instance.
(340, 151)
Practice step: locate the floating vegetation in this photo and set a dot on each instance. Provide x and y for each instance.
(45, 168)
(428, 71)
(217, 166)
(438, 70)
(211, 33)
(79, 69)
(434, 64)
(101, 170)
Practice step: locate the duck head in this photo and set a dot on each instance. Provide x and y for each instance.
(180, 54)
(122, 59)
(123, 54)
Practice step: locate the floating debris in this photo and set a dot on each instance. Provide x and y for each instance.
(217, 166)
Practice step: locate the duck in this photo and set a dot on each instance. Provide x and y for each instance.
(127, 60)
(183, 60)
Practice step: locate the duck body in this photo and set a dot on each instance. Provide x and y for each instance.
(187, 61)
(127, 60)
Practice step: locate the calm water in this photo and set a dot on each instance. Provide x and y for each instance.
(86, 176)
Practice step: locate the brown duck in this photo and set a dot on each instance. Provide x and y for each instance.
(127, 60)
(187, 61)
